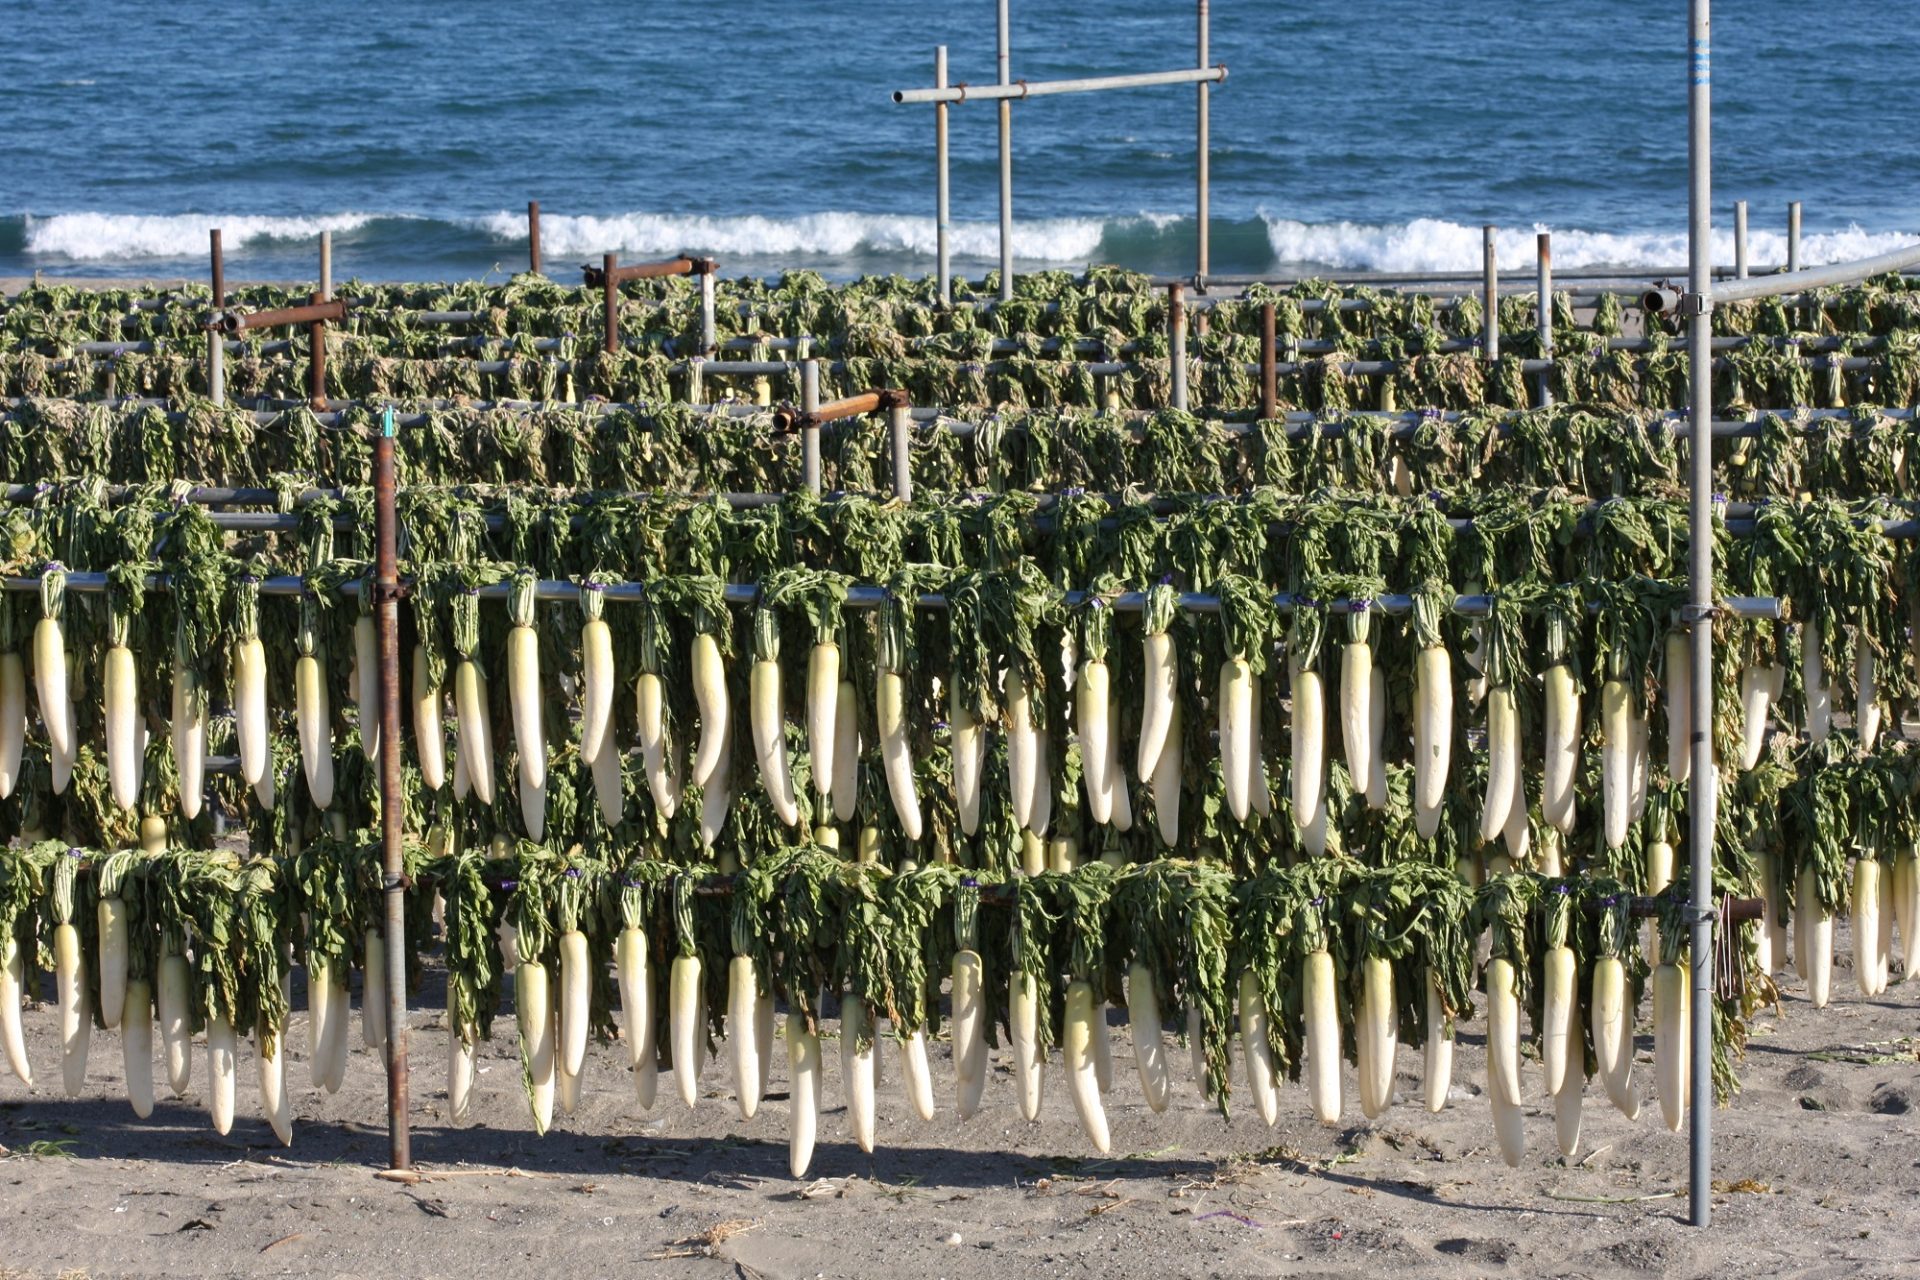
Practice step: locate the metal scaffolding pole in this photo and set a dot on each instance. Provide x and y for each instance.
(1201, 133)
(1006, 163)
(1704, 797)
(942, 218)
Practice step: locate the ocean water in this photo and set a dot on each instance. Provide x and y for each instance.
(1370, 135)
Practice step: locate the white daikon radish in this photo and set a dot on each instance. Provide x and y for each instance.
(1356, 699)
(823, 710)
(1503, 760)
(136, 1043)
(50, 665)
(1023, 1018)
(366, 678)
(1432, 715)
(1616, 760)
(1679, 696)
(709, 695)
(630, 967)
(1077, 1049)
(1560, 726)
(969, 746)
(1262, 1077)
(803, 1062)
(1439, 1047)
(1376, 1035)
(1159, 679)
(1813, 675)
(221, 1047)
(596, 674)
(1149, 1044)
(174, 1008)
(1322, 1035)
(13, 718)
(1166, 780)
(846, 756)
(857, 1068)
(1672, 1041)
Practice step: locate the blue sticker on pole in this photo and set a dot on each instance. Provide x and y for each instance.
(1702, 61)
(389, 425)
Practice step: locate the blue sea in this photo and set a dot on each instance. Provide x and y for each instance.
(1351, 134)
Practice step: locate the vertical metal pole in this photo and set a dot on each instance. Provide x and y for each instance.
(317, 358)
(1793, 236)
(709, 335)
(1545, 317)
(533, 236)
(941, 220)
(900, 428)
(1269, 365)
(1201, 144)
(1490, 295)
(1740, 239)
(216, 340)
(610, 328)
(1177, 342)
(1006, 165)
(809, 429)
(326, 266)
(1704, 798)
(386, 616)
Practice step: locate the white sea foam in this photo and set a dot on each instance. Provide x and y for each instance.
(92, 237)
(832, 234)
(1433, 244)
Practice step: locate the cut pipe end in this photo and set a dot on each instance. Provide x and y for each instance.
(1660, 299)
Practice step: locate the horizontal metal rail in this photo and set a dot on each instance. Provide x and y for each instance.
(1021, 89)
(871, 597)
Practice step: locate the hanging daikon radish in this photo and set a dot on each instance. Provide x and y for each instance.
(12, 983)
(1813, 675)
(1866, 922)
(173, 1008)
(890, 706)
(630, 967)
(120, 692)
(1262, 1078)
(1771, 928)
(1612, 1014)
(969, 747)
(13, 705)
(1356, 699)
(1023, 748)
(1679, 695)
(1813, 936)
(50, 668)
(608, 771)
(1866, 693)
(803, 1062)
(1567, 1099)
(136, 1042)
(1560, 727)
(110, 935)
(1029, 1059)
(1322, 1035)
(686, 1024)
(1432, 713)
(1166, 781)
(1309, 722)
(1755, 704)
(1672, 1036)
(1159, 679)
(190, 734)
(1639, 766)
(1092, 703)
(1439, 1079)
(311, 712)
(969, 1002)
(523, 698)
(596, 674)
(857, 1067)
(70, 977)
(823, 594)
(1906, 909)
(1376, 1035)
(1616, 756)
(709, 686)
(1077, 1051)
(1559, 995)
(366, 673)
(1149, 1043)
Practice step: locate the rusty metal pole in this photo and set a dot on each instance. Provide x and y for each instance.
(1177, 343)
(941, 219)
(217, 340)
(1545, 317)
(610, 339)
(317, 358)
(533, 236)
(900, 429)
(1269, 365)
(1793, 235)
(386, 613)
(810, 431)
(1490, 295)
